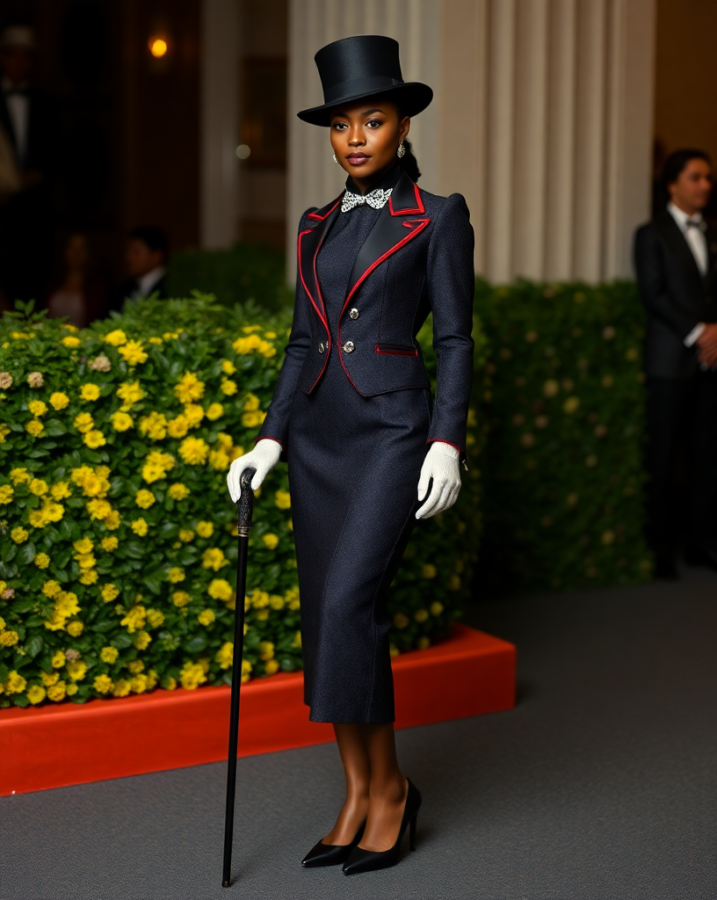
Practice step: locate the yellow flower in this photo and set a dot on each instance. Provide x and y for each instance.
(271, 666)
(205, 529)
(121, 688)
(19, 476)
(178, 426)
(178, 491)
(103, 684)
(42, 560)
(130, 392)
(58, 660)
(49, 680)
(206, 617)
(228, 367)
(571, 405)
(77, 669)
(38, 487)
(252, 402)
(57, 692)
(421, 615)
(15, 683)
(194, 414)
(116, 337)
(551, 388)
(246, 668)
(89, 392)
(136, 666)
(139, 684)
(282, 499)
(424, 642)
(133, 352)
(94, 439)
(215, 411)
(59, 400)
(186, 535)
(70, 341)
(37, 407)
(19, 534)
(225, 655)
(89, 576)
(36, 694)
(75, 628)
(180, 598)
(2, 622)
(61, 490)
(109, 593)
(436, 608)
(6, 493)
(454, 583)
(35, 427)
(176, 574)
(143, 640)
(109, 544)
(84, 422)
(135, 618)
(214, 559)
(270, 540)
(428, 570)
(155, 618)
(228, 387)
(220, 589)
(266, 650)
(192, 675)
(109, 654)
(51, 588)
(189, 388)
(194, 451)
(112, 520)
(9, 638)
(253, 418)
(400, 620)
(144, 499)
(276, 601)
(121, 421)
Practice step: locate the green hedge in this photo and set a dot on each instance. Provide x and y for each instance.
(238, 274)
(563, 467)
(118, 547)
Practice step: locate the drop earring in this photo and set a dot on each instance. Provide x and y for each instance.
(335, 160)
(401, 150)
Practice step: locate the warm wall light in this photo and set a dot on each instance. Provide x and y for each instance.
(157, 47)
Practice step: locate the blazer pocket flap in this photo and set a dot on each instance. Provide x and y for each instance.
(396, 349)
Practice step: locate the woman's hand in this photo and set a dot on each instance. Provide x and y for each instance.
(441, 464)
(263, 458)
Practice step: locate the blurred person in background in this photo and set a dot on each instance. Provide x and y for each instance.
(29, 121)
(146, 257)
(78, 291)
(676, 262)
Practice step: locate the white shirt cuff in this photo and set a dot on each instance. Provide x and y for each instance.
(694, 334)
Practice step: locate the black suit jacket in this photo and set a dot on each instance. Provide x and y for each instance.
(417, 258)
(43, 138)
(675, 293)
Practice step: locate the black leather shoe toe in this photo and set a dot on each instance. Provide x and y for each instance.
(330, 854)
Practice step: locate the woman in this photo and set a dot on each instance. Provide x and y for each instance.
(78, 293)
(352, 415)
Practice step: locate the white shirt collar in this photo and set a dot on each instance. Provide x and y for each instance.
(146, 282)
(681, 217)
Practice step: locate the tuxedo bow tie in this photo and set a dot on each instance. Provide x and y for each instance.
(694, 223)
(376, 198)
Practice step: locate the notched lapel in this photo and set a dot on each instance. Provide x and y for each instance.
(677, 242)
(391, 231)
(309, 244)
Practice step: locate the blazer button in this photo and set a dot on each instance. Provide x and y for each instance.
(349, 347)
(353, 313)
(322, 347)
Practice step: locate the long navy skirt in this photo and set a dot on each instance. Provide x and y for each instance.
(353, 465)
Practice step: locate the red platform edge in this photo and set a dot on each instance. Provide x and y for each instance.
(468, 674)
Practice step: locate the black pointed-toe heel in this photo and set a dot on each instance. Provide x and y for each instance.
(330, 854)
(361, 860)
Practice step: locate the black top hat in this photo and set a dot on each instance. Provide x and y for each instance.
(362, 66)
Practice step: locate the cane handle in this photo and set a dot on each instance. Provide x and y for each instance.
(245, 503)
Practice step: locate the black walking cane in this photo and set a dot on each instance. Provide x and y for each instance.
(245, 504)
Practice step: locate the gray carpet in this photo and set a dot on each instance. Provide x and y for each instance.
(600, 785)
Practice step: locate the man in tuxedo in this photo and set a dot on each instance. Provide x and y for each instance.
(676, 262)
(145, 260)
(29, 120)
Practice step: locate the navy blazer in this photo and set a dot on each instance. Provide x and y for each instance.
(675, 293)
(417, 258)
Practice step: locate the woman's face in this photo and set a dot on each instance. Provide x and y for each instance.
(365, 136)
(77, 251)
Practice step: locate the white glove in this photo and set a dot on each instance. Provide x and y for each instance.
(441, 464)
(263, 458)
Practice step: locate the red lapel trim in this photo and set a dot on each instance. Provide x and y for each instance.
(319, 313)
(415, 227)
(418, 209)
(329, 209)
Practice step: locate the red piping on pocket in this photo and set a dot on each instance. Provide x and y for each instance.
(407, 351)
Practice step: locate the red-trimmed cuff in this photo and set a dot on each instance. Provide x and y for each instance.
(459, 449)
(264, 437)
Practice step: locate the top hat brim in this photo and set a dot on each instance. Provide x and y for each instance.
(412, 97)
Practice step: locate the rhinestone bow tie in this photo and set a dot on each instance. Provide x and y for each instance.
(376, 198)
